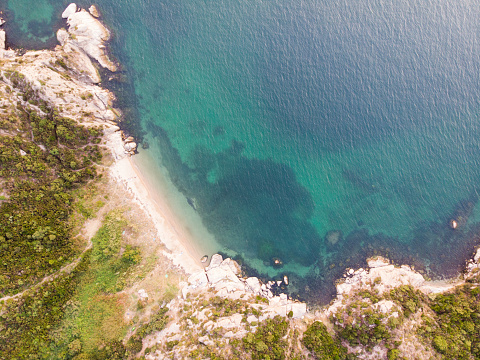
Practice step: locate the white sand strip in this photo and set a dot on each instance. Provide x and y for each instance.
(170, 230)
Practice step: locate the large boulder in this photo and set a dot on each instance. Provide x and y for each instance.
(130, 147)
(70, 10)
(62, 36)
(215, 261)
(233, 265)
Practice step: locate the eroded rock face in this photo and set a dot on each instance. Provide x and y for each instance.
(77, 58)
(221, 280)
(381, 273)
(64, 78)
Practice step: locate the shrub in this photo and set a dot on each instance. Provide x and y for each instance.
(409, 298)
(322, 344)
(267, 342)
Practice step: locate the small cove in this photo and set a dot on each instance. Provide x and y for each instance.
(285, 122)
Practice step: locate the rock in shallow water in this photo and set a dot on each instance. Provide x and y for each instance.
(94, 11)
(71, 9)
(333, 237)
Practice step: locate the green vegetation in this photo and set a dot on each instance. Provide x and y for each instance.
(360, 323)
(322, 344)
(455, 327)
(268, 341)
(156, 323)
(78, 315)
(225, 307)
(47, 168)
(35, 233)
(26, 324)
(410, 299)
(95, 316)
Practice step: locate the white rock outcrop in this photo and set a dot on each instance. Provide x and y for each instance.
(222, 276)
(473, 267)
(130, 147)
(89, 34)
(2, 39)
(70, 10)
(4, 53)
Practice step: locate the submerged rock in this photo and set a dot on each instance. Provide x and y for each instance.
(276, 262)
(333, 237)
(192, 202)
(453, 224)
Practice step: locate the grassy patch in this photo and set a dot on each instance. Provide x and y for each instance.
(26, 324)
(95, 316)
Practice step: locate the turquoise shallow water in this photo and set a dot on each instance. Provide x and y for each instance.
(291, 123)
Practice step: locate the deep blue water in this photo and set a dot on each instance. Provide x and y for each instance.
(287, 121)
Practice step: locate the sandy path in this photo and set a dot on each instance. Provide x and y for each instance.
(89, 229)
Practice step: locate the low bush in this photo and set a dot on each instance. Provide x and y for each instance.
(322, 344)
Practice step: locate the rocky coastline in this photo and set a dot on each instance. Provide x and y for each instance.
(222, 278)
(68, 80)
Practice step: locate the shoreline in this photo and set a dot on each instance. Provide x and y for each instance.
(180, 246)
(219, 310)
(173, 226)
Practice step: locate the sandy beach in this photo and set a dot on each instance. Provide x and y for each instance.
(180, 239)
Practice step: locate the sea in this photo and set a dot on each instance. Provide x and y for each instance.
(304, 136)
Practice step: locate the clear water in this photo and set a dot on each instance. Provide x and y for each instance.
(286, 120)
